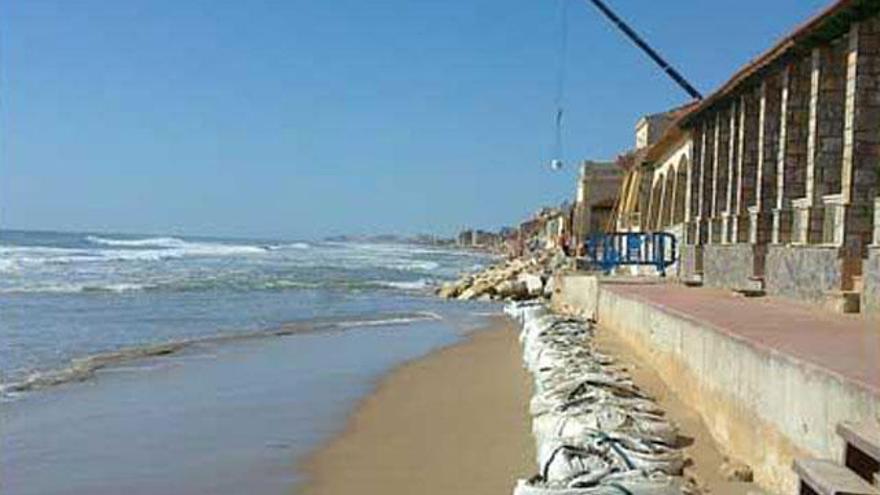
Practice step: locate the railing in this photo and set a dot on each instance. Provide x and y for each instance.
(608, 251)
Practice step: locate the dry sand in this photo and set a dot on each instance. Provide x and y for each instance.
(454, 422)
(705, 457)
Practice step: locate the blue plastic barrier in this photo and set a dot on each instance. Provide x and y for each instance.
(608, 251)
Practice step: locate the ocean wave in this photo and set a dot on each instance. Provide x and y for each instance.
(208, 284)
(177, 245)
(121, 250)
(292, 245)
(413, 285)
(72, 288)
(147, 242)
(84, 368)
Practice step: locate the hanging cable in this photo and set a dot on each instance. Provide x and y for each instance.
(559, 100)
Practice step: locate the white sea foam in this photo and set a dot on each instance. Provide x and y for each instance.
(147, 242)
(292, 245)
(420, 284)
(421, 316)
(180, 246)
(83, 368)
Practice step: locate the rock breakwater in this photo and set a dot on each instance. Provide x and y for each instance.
(515, 279)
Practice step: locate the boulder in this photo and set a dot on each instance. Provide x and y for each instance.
(449, 290)
(512, 289)
(534, 284)
(549, 287)
(733, 470)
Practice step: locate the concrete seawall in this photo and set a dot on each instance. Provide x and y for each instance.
(765, 398)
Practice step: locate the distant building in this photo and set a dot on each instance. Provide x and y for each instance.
(597, 192)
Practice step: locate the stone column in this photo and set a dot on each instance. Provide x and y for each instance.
(660, 222)
(691, 212)
(793, 137)
(768, 147)
(730, 174)
(704, 187)
(851, 215)
(824, 141)
(876, 222)
(720, 163)
(747, 164)
(673, 197)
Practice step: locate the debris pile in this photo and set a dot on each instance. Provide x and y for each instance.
(597, 433)
(513, 280)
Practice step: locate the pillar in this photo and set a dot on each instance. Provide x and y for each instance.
(795, 110)
(824, 142)
(768, 146)
(851, 214)
(747, 164)
(730, 174)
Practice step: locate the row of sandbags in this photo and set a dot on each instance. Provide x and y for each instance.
(597, 433)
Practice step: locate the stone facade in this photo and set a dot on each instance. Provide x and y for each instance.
(786, 161)
(598, 190)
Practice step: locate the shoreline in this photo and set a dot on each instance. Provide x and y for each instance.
(470, 434)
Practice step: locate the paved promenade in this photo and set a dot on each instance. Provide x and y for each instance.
(845, 345)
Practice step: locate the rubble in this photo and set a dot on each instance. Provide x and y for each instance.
(511, 280)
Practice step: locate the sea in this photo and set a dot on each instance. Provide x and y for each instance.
(178, 364)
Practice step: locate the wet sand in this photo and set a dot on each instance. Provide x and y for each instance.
(455, 421)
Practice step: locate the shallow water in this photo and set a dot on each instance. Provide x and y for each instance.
(221, 419)
(170, 365)
(67, 296)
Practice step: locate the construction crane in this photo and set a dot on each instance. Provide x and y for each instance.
(556, 163)
(652, 54)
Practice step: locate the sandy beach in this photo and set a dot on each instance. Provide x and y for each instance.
(455, 421)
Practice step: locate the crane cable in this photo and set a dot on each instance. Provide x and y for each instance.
(559, 99)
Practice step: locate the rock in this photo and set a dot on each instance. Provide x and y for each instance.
(733, 470)
(512, 289)
(549, 287)
(449, 290)
(534, 284)
(479, 288)
(467, 294)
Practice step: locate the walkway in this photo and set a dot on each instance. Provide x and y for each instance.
(846, 345)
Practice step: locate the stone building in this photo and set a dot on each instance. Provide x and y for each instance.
(597, 193)
(773, 180)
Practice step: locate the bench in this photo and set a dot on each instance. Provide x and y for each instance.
(821, 477)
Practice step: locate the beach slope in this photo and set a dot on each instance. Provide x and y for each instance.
(455, 421)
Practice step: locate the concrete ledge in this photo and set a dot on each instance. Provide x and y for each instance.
(754, 369)
(871, 282)
(733, 266)
(807, 273)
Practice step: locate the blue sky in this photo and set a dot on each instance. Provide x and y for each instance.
(299, 119)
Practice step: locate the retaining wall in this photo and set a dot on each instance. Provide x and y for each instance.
(762, 406)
